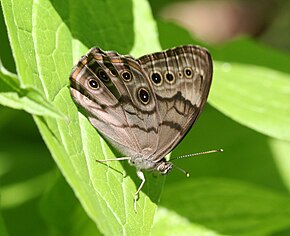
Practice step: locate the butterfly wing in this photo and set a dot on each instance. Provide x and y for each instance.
(181, 79)
(119, 101)
(143, 106)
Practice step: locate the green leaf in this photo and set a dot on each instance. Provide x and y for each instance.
(281, 150)
(249, 52)
(230, 207)
(169, 223)
(2, 226)
(144, 32)
(30, 100)
(25, 171)
(17, 194)
(251, 85)
(5, 50)
(172, 35)
(255, 96)
(54, 34)
(67, 217)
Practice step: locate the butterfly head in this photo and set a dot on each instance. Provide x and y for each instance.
(164, 167)
(147, 164)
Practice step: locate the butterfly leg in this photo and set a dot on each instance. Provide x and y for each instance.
(142, 177)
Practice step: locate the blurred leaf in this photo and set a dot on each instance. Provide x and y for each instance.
(278, 33)
(67, 217)
(281, 150)
(158, 5)
(30, 100)
(53, 42)
(172, 35)
(144, 32)
(23, 154)
(169, 223)
(230, 207)
(250, 52)
(25, 170)
(3, 231)
(257, 97)
(15, 195)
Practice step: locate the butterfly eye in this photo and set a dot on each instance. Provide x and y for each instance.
(93, 84)
(103, 76)
(144, 96)
(170, 77)
(156, 78)
(188, 72)
(126, 75)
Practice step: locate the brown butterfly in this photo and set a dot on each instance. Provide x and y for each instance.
(145, 106)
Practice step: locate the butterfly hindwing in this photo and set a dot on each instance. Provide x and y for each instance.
(181, 79)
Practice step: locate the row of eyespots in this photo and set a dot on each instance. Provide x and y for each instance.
(126, 75)
(142, 93)
(157, 78)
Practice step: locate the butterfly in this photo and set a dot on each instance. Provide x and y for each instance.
(144, 107)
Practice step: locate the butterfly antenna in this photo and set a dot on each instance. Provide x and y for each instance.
(191, 155)
(198, 154)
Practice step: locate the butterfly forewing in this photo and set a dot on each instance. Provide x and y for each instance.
(115, 107)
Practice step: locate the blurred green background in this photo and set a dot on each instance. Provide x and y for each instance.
(243, 191)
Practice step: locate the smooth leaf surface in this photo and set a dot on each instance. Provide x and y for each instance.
(257, 97)
(144, 33)
(53, 36)
(169, 223)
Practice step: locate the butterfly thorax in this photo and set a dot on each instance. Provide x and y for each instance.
(142, 163)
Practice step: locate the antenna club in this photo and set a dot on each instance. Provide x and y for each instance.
(221, 150)
(187, 174)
